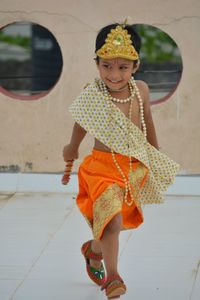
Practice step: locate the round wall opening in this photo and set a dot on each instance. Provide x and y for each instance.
(161, 63)
(31, 60)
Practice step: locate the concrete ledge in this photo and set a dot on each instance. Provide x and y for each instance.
(185, 185)
(36, 183)
(11, 183)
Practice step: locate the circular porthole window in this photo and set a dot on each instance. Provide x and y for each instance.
(161, 63)
(31, 60)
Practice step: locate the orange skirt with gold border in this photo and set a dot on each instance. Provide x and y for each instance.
(102, 190)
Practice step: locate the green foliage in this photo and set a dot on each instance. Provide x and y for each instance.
(18, 40)
(157, 46)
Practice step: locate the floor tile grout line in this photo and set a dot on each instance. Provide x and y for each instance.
(125, 244)
(127, 240)
(42, 251)
(10, 196)
(196, 271)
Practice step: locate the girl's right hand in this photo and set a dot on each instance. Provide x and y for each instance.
(69, 153)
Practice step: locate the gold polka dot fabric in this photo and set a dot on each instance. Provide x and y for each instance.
(106, 122)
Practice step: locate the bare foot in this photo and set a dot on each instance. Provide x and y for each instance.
(95, 264)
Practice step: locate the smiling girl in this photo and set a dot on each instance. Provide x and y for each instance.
(121, 173)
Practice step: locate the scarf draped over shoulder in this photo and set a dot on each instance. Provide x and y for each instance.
(107, 123)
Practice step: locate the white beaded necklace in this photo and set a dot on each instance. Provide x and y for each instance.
(106, 92)
(133, 90)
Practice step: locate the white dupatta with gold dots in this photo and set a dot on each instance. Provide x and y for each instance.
(109, 125)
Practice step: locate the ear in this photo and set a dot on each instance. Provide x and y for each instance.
(97, 63)
(136, 67)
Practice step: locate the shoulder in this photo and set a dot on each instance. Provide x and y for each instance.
(142, 84)
(88, 89)
(143, 89)
(86, 85)
(90, 86)
(144, 93)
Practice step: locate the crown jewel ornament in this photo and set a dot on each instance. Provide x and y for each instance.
(118, 44)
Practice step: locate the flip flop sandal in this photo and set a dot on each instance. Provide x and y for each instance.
(97, 275)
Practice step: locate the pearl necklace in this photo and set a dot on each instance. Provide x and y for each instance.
(104, 89)
(133, 90)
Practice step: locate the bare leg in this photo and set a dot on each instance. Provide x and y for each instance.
(96, 247)
(110, 245)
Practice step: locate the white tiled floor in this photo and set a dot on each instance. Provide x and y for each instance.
(41, 235)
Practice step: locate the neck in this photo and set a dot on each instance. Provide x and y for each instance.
(119, 90)
(120, 94)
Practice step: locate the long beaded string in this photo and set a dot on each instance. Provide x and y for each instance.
(126, 182)
(133, 90)
(144, 128)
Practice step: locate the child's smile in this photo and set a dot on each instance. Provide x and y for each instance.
(115, 72)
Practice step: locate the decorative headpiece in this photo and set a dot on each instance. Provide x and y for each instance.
(118, 44)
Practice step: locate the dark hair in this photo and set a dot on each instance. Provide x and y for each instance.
(102, 35)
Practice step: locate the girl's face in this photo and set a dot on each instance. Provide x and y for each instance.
(116, 72)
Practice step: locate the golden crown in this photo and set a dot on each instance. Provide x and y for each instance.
(118, 44)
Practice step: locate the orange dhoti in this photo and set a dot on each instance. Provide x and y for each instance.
(102, 190)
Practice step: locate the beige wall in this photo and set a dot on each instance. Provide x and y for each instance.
(36, 131)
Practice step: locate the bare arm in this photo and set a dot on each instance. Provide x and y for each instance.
(78, 135)
(70, 151)
(151, 132)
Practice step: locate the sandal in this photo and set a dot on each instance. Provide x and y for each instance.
(114, 287)
(96, 275)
